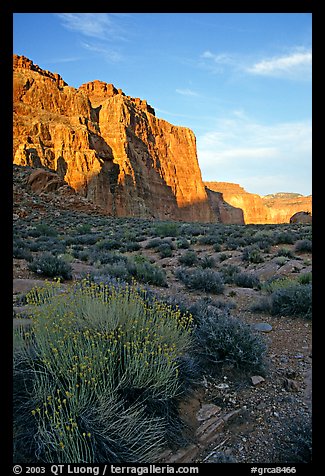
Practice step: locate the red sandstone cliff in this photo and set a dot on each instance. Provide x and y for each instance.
(109, 147)
(259, 210)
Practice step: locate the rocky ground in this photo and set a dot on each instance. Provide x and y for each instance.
(232, 418)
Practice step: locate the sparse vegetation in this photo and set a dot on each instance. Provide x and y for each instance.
(205, 264)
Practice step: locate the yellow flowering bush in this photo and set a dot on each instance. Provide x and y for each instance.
(97, 355)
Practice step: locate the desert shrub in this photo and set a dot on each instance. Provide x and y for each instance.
(293, 444)
(206, 306)
(20, 252)
(222, 339)
(280, 260)
(51, 266)
(217, 247)
(118, 269)
(154, 243)
(264, 244)
(205, 280)
(284, 238)
(305, 278)
(247, 280)
(87, 239)
(208, 239)
(102, 257)
(303, 246)
(229, 271)
(132, 246)
(165, 250)
(146, 272)
(252, 254)
(83, 255)
(42, 229)
(285, 252)
(109, 244)
(233, 243)
(189, 258)
(277, 282)
(207, 262)
(83, 229)
(191, 229)
(97, 377)
(224, 256)
(166, 229)
(294, 300)
(182, 243)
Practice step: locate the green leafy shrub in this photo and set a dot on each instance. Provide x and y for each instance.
(165, 250)
(97, 377)
(205, 280)
(51, 266)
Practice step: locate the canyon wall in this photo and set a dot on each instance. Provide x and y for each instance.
(277, 208)
(109, 147)
(113, 150)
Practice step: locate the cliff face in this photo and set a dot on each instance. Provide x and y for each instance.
(259, 210)
(109, 147)
(225, 213)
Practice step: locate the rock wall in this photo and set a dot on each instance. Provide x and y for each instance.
(225, 212)
(109, 147)
(259, 210)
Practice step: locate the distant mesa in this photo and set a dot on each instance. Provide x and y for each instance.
(112, 149)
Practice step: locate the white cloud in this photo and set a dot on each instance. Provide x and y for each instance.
(95, 25)
(187, 92)
(296, 65)
(222, 58)
(262, 158)
(105, 51)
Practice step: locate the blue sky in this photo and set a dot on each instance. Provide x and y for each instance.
(242, 82)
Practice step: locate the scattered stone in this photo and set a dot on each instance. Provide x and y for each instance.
(207, 411)
(291, 385)
(262, 327)
(222, 386)
(257, 379)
